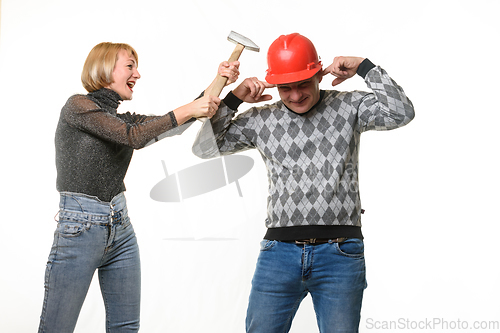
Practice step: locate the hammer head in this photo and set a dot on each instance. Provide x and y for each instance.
(240, 39)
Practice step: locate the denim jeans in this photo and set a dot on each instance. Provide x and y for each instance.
(91, 235)
(333, 273)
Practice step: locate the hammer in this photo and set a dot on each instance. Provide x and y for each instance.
(241, 43)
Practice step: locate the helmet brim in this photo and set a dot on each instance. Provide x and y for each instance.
(292, 77)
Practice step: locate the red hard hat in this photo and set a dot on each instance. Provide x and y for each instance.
(291, 58)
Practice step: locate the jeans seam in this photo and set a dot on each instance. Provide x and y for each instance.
(78, 202)
(110, 241)
(47, 284)
(312, 262)
(105, 300)
(293, 312)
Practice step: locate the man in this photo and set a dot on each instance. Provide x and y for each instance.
(309, 141)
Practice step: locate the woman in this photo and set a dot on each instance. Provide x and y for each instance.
(94, 145)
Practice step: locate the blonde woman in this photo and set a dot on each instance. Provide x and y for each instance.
(94, 146)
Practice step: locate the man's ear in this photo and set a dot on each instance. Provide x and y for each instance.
(320, 75)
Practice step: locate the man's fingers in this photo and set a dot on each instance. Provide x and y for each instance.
(265, 98)
(337, 81)
(254, 86)
(261, 86)
(251, 90)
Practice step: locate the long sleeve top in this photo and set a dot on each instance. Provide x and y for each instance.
(311, 158)
(94, 144)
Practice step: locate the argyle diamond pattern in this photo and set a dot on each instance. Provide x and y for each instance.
(311, 159)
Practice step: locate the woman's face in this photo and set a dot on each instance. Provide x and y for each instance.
(125, 75)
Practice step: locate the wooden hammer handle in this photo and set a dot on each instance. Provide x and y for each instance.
(220, 81)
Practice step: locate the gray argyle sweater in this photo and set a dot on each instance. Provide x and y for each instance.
(311, 158)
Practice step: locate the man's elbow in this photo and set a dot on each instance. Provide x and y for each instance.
(205, 153)
(409, 113)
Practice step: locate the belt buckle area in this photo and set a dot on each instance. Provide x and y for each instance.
(306, 241)
(313, 241)
(339, 240)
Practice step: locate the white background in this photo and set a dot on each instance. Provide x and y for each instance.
(430, 190)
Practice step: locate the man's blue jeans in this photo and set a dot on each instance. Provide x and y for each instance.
(91, 235)
(333, 273)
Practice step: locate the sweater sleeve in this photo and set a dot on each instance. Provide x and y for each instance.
(131, 130)
(223, 135)
(387, 107)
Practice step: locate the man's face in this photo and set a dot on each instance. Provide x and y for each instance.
(301, 96)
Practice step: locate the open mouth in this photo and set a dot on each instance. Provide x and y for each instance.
(131, 84)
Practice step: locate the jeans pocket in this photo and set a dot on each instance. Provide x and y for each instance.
(72, 229)
(266, 244)
(352, 248)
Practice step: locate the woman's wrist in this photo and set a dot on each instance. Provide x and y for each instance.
(182, 114)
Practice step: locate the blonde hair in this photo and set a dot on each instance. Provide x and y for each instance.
(97, 71)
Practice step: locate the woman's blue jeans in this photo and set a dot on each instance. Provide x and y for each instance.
(333, 273)
(91, 235)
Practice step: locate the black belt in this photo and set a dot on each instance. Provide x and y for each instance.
(316, 241)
